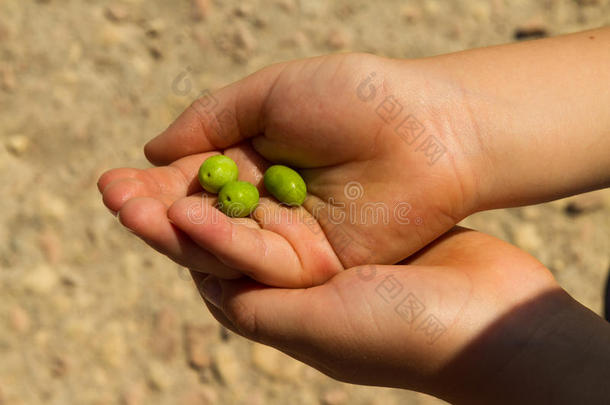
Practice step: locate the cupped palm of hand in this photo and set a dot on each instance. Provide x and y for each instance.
(373, 198)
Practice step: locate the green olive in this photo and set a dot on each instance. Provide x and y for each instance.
(285, 184)
(238, 199)
(217, 171)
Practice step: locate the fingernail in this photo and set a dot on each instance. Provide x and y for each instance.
(212, 291)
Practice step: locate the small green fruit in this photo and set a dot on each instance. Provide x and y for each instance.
(285, 184)
(238, 199)
(217, 171)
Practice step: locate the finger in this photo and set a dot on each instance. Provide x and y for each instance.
(408, 320)
(260, 323)
(118, 192)
(317, 315)
(319, 262)
(179, 179)
(336, 322)
(147, 218)
(111, 175)
(287, 347)
(239, 243)
(198, 279)
(166, 183)
(216, 121)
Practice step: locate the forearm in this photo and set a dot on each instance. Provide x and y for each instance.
(567, 362)
(551, 351)
(541, 112)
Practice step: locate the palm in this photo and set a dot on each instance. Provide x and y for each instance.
(361, 209)
(423, 325)
(376, 197)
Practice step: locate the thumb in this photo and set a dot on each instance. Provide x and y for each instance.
(216, 121)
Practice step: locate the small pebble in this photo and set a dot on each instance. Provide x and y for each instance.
(244, 39)
(197, 338)
(59, 367)
(116, 13)
(530, 213)
(584, 203)
(287, 6)
(526, 236)
(113, 347)
(335, 396)
(40, 280)
(531, 30)
(8, 79)
(135, 394)
(433, 8)
(275, 364)
(243, 10)
(159, 377)
(410, 14)
(18, 144)
(20, 320)
(51, 206)
(298, 40)
(155, 27)
(112, 35)
(337, 40)
(227, 365)
(51, 246)
(199, 396)
(155, 52)
(164, 339)
(201, 9)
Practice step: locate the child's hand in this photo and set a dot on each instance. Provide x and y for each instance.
(369, 152)
(375, 196)
(470, 319)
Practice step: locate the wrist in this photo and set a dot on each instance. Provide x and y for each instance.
(451, 117)
(542, 126)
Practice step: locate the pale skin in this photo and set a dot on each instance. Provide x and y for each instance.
(521, 124)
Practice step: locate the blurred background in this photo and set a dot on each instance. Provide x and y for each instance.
(88, 314)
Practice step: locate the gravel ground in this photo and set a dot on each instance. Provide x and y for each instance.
(88, 314)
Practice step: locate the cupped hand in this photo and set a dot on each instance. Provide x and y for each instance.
(386, 154)
(449, 322)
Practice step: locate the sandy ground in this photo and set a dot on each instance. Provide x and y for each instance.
(88, 314)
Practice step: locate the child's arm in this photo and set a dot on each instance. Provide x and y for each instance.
(471, 319)
(419, 144)
(542, 115)
(533, 118)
